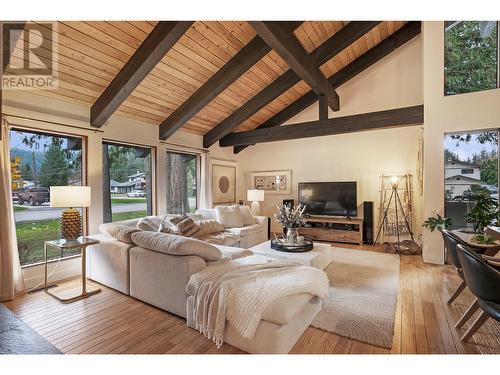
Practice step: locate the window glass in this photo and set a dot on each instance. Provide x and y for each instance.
(470, 56)
(182, 171)
(471, 164)
(39, 161)
(127, 182)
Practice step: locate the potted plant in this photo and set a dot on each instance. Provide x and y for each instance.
(437, 222)
(483, 211)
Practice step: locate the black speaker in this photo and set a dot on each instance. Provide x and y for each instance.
(368, 222)
(290, 202)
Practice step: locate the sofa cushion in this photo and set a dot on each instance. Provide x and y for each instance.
(185, 226)
(229, 216)
(207, 213)
(176, 245)
(246, 231)
(221, 238)
(285, 309)
(247, 215)
(234, 252)
(122, 233)
(208, 226)
(196, 217)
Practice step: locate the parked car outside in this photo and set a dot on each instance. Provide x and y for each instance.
(33, 195)
(136, 194)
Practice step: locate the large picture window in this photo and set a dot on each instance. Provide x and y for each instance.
(471, 167)
(182, 182)
(39, 161)
(128, 185)
(471, 51)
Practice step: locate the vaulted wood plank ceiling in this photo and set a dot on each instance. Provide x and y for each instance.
(92, 53)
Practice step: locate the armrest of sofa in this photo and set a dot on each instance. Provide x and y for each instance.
(262, 220)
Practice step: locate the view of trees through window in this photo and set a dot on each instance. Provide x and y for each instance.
(471, 164)
(38, 161)
(470, 56)
(182, 172)
(127, 182)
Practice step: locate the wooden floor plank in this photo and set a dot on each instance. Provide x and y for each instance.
(111, 322)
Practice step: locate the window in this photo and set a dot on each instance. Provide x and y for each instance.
(38, 161)
(470, 56)
(127, 182)
(182, 181)
(478, 150)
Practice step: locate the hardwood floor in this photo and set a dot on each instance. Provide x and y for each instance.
(111, 322)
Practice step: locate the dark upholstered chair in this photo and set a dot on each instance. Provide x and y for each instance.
(450, 243)
(483, 281)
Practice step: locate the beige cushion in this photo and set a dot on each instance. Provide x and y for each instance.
(176, 245)
(196, 217)
(234, 252)
(208, 227)
(229, 216)
(207, 213)
(120, 232)
(186, 226)
(246, 231)
(222, 238)
(284, 310)
(247, 215)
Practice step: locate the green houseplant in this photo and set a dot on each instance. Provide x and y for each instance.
(437, 222)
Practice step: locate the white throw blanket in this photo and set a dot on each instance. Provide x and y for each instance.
(240, 290)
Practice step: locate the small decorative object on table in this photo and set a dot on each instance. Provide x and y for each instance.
(291, 218)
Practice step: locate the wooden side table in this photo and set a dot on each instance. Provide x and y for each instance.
(82, 243)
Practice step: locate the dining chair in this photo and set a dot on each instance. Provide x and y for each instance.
(483, 280)
(450, 243)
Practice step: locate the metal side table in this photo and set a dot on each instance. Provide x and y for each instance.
(82, 243)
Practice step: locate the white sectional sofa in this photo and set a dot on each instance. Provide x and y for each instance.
(160, 279)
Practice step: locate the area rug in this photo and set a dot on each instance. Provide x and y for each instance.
(363, 296)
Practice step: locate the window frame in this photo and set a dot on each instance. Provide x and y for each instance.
(154, 154)
(498, 65)
(198, 171)
(85, 156)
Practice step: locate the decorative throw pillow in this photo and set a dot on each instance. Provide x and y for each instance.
(196, 217)
(247, 215)
(177, 219)
(149, 224)
(208, 227)
(122, 233)
(229, 216)
(187, 227)
(176, 245)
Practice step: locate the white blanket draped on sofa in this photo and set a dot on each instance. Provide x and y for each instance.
(240, 290)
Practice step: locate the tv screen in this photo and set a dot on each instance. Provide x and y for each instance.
(329, 198)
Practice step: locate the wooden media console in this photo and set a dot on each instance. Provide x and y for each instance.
(333, 229)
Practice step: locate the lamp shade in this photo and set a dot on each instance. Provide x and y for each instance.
(69, 196)
(255, 195)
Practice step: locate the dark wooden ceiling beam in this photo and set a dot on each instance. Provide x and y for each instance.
(248, 56)
(285, 44)
(156, 45)
(329, 49)
(408, 116)
(375, 54)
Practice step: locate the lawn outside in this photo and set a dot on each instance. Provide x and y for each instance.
(32, 234)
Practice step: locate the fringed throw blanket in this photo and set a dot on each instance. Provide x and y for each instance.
(239, 291)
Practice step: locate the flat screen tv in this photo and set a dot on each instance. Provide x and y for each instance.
(329, 198)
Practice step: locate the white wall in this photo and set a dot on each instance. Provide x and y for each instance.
(446, 114)
(395, 81)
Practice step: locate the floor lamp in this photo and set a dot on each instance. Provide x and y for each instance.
(397, 201)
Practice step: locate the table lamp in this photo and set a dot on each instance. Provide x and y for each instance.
(255, 196)
(70, 197)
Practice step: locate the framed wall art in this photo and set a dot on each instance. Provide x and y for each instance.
(273, 182)
(223, 182)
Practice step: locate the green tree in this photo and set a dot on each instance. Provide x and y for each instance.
(27, 172)
(54, 170)
(470, 59)
(450, 156)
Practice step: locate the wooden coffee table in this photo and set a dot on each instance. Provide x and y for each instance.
(318, 257)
